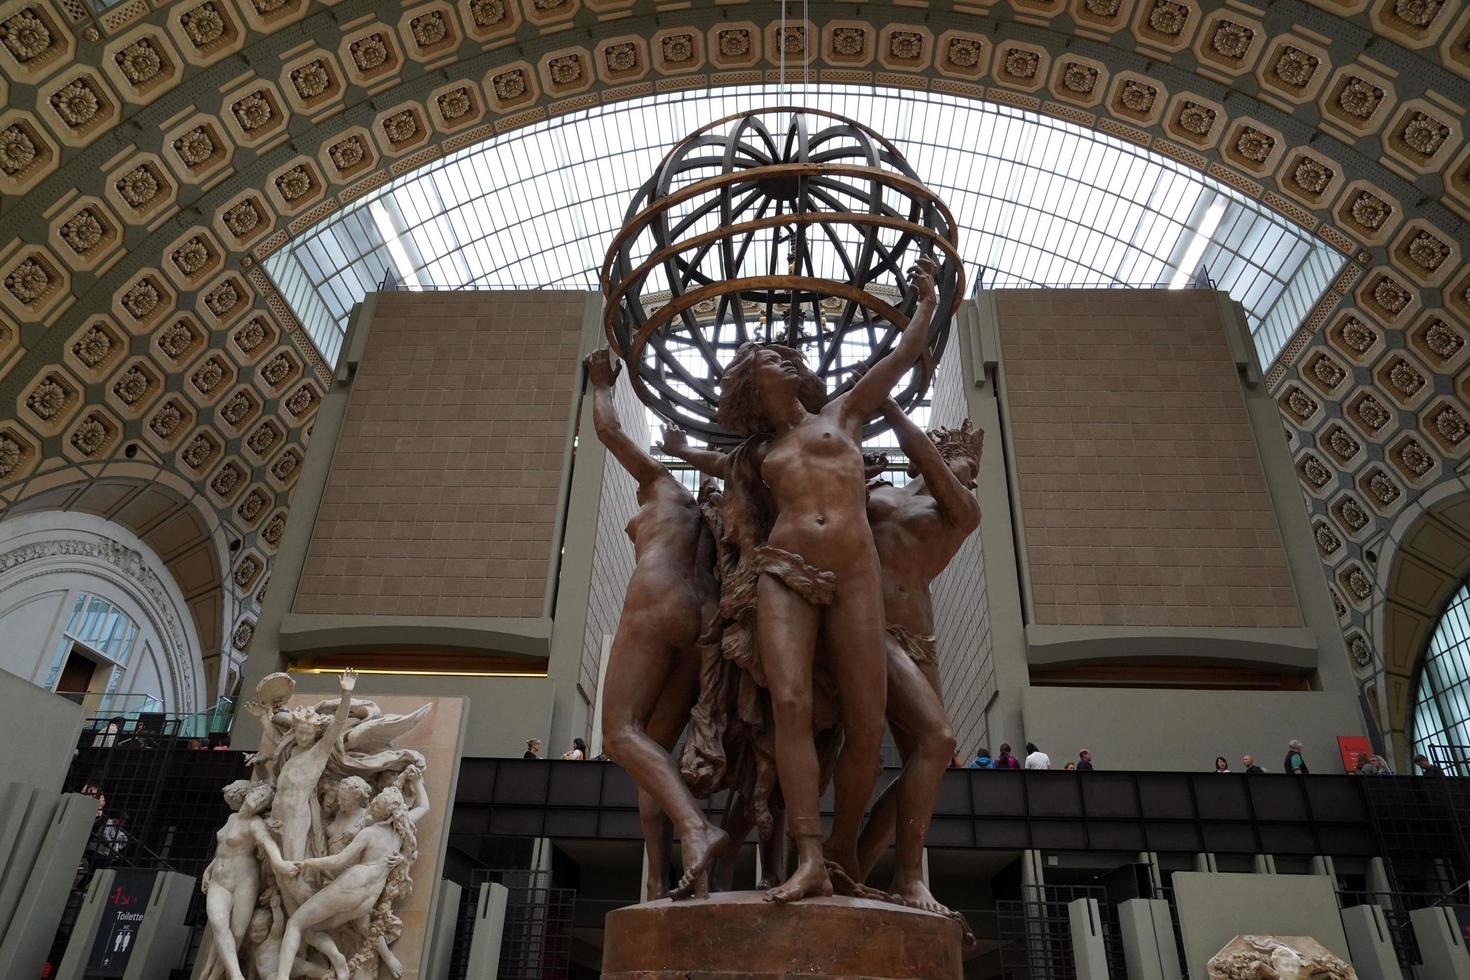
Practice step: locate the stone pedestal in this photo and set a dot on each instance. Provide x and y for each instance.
(740, 936)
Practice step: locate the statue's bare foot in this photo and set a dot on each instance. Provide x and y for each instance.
(916, 895)
(699, 852)
(810, 880)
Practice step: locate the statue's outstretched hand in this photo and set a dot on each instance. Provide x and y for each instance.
(921, 277)
(601, 368)
(348, 681)
(675, 440)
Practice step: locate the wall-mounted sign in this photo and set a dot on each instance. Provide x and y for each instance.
(122, 917)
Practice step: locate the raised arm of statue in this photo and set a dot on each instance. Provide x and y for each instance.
(603, 372)
(415, 776)
(343, 713)
(710, 462)
(956, 501)
(870, 390)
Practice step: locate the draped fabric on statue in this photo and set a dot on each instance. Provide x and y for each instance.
(731, 740)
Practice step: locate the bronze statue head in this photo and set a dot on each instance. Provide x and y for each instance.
(760, 371)
(961, 451)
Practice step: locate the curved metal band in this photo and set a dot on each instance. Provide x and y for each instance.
(773, 110)
(635, 225)
(842, 290)
(631, 281)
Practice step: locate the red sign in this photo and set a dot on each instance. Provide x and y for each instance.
(1351, 746)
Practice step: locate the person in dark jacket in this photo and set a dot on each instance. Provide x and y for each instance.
(1084, 761)
(1248, 764)
(1427, 768)
(1295, 764)
(1005, 760)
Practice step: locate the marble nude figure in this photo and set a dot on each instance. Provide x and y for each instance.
(315, 860)
(783, 619)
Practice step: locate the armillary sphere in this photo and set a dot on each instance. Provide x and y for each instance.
(802, 237)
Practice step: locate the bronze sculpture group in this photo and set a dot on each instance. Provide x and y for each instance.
(783, 619)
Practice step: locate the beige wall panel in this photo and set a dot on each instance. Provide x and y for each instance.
(1215, 908)
(1132, 728)
(1142, 492)
(445, 482)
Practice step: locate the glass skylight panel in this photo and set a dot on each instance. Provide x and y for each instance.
(1039, 202)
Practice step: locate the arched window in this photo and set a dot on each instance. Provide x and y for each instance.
(1441, 726)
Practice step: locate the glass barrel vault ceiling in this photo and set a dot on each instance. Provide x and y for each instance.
(1039, 202)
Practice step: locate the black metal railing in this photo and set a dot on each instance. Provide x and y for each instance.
(1453, 759)
(1035, 932)
(536, 941)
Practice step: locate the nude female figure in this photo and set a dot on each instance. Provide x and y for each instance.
(652, 677)
(917, 529)
(820, 579)
(361, 872)
(351, 797)
(231, 883)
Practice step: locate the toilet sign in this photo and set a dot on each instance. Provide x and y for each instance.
(122, 917)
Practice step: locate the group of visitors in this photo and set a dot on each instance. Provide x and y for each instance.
(1296, 764)
(1035, 759)
(577, 753)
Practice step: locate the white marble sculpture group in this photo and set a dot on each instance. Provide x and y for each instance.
(314, 862)
(1277, 958)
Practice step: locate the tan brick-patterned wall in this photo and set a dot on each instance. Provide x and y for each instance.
(612, 561)
(961, 607)
(443, 494)
(1142, 493)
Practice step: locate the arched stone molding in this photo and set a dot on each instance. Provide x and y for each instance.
(48, 552)
(154, 153)
(1423, 560)
(180, 527)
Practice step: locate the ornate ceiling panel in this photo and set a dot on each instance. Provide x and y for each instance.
(150, 155)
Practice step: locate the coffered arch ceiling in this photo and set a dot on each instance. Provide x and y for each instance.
(150, 156)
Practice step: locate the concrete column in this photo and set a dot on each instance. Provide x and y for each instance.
(1089, 953)
(1205, 862)
(155, 943)
(1033, 895)
(163, 939)
(23, 823)
(1263, 864)
(1148, 940)
(484, 961)
(1441, 947)
(1378, 883)
(1155, 875)
(440, 939)
(1370, 944)
(1323, 866)
(38, 881)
